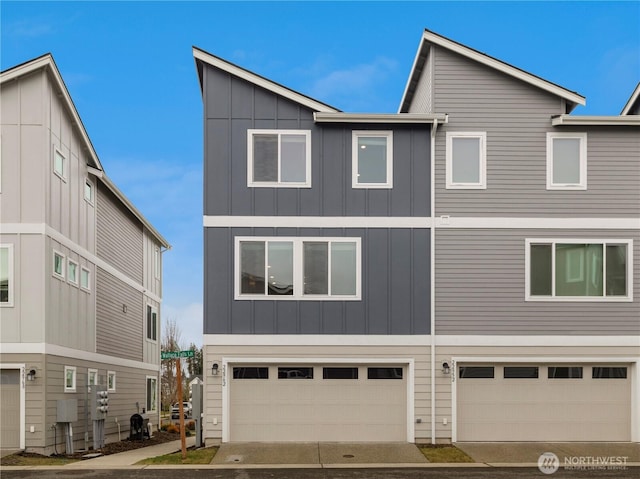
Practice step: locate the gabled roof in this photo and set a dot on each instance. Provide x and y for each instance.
(47, 63)
(431, 38)
(632, 103)
(203, 57)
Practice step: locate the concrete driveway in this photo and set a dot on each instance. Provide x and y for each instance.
(313, 453)
(529, 452)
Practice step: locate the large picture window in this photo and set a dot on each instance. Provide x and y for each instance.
(566, 161)
(578, 269)
(372, 157)
(279, 158)
(297, 268)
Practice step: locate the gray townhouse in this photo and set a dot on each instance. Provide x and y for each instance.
(461, 270)
(80, 278)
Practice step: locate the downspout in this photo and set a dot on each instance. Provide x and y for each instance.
(432, 272)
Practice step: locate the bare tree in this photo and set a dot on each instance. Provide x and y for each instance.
(171, 341)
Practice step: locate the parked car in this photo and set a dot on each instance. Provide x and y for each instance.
(186, 408)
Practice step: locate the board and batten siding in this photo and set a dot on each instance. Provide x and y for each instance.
(395, 287)
(119, 236)
(480, 287)
(516, 118)
(119, 321)
(233, 106)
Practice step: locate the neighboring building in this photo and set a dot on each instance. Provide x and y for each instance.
(463, 270)
(80, 275)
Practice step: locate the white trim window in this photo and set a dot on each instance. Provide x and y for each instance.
(88, 191)
(92, 377)
(566, 161)
(69, 379)
(152, 394)
(372, 159)
(59, 164)
(73, 271)
(6, 275)
(286, 268)
(85, 278)
(279, 158)
(578, 270)
(111, 381)
(58, 264)
(152, 323)
(466, 160)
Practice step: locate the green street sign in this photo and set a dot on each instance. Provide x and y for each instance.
(177, 354)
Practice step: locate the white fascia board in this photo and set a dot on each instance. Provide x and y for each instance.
(628, 120)
(95, 172)
(47, 62)
(260, 81)
(501, 66)
(632, 100)
(401, 118)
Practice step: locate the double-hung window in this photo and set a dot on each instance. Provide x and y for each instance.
(298, 268)
(466, 160)
(372, 159)
(6, 275)
(566, 161)
(579, 270)
(279, 158)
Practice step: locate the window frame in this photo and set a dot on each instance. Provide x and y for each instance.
(582, 184)
(251, 183)
(89, 372)
(60, 174)
(10, 275)
(553, 242)
(298, 270)
(153, 310)
(146, 389)
(111, 385)
(75, 282)
(482, 181)
(74, 378)
(91, 199)
(63, 262)
(355, 135)
(88, 271)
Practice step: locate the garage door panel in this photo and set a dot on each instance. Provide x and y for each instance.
(543, 409)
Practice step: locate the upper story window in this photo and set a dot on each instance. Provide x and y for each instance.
(372, 159)
(156, 263)
(566, 161)
(298, 268)
(279, 158)
(85, 278)
(579, 270)
(72, 272)
(59, 164)
(88, 190)
(152, 323)
(58, 265)
(466, 160)
(6, 275)
(69, 379)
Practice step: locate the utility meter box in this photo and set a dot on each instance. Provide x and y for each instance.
(67, 410)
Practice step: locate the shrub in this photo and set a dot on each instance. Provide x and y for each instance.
(191, 425)
(173, 429)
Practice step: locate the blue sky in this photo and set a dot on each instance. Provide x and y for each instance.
(130, 71)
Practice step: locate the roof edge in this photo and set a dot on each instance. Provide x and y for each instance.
(404, 118)
(633, 99)
(619, 120)
(217, 62)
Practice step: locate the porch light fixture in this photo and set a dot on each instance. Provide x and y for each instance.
(445, 367)
(31, 375)
(214, 369)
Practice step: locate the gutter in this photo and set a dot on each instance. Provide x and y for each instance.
(402, 118)
(622, 120)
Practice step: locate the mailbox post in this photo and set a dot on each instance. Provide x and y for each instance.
(177, 355)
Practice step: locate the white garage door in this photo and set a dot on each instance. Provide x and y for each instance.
(10, 410)
(543, 402)
(318, 403)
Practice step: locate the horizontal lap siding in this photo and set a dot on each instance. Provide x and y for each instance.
(516, 118)
(480, 287)
(119, 333)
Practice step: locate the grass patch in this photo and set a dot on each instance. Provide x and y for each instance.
(30, 459)
(194, 456)
(444, 453)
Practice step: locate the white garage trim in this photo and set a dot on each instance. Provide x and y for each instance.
(634, 374)
(226, 375)
(21, 367)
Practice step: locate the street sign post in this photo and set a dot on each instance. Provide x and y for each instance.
(177, 355)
